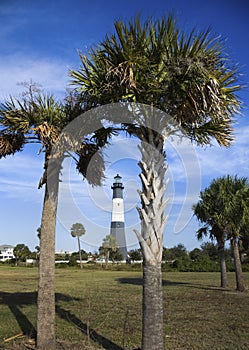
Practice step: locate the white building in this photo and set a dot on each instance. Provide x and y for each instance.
(6, 252)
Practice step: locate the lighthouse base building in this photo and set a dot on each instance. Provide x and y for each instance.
(117, 223)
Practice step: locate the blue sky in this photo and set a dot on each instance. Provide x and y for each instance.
(39, 40)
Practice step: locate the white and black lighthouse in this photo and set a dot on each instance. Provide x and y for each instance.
(117, 224)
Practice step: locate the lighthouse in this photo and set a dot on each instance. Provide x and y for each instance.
(117, 224)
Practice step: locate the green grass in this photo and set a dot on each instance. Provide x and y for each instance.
(103, 308)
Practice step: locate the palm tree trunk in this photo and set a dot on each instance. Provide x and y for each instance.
(152, 226)
(107, 255)
(237, 264)
(46, 288)
(79, 252)
(223, 268)
(152, 308)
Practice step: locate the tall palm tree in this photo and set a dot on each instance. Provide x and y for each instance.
(183, 75)
(77, 230)
(224, 209)
(38, 118)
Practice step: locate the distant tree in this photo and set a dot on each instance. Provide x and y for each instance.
(176, 252)
(210, 249)
(179, 251)
(116, 256)
(73, 260)
(135, 254)
(77, 230)
(167, 254)
(21, 252)
(61, 256)
(195, 253)
(182, 263)
(109, 245)
(84, 254)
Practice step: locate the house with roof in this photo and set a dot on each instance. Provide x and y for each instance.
(6, 252)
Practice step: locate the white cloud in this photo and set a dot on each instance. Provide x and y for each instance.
(20, 175)
(22, 162)
(14, 69)
(20, 189)
(217, 161)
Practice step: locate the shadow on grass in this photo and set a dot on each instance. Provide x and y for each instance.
(91, 333)
(15, 302)
(139, 281)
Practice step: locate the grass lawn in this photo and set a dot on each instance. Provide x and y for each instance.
(102, 309)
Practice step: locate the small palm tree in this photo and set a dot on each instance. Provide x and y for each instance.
(77, 230)
(204, 211)
(109, 245)
(182, 75)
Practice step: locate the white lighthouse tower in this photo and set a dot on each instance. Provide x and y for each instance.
(117, 224)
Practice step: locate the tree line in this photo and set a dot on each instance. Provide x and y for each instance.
(178, 258)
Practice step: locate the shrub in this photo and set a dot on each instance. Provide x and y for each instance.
(73, 261)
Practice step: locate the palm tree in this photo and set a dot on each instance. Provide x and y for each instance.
(224, 208)
(38, 118)
(109, 245)
(236, 217)
(77, 230)
(182, 75)
(205, 211)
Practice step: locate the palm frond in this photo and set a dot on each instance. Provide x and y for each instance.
(11, 143)
(46, 133)
(201, 232)
(91, 163)
(221, 131)
(188, 76)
